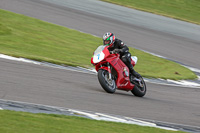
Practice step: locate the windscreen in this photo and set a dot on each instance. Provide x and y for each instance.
(99, 49)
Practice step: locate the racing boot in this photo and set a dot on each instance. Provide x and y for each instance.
(127, 60)
(134, 73)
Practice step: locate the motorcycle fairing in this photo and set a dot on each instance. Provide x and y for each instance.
(123, 81)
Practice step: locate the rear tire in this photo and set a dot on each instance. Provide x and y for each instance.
(108, 85)
(140, 89)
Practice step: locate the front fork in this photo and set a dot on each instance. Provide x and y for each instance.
(108, 68)
(109, 71)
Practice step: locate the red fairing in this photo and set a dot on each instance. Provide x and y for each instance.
(123, 82)
(92, 61)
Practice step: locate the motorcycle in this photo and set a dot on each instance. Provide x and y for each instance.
(114, 74)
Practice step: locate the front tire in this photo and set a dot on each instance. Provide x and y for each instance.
(107, 84)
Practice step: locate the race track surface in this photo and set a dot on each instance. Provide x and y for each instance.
(44, 85)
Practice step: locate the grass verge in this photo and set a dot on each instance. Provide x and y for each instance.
(22, 36)
(22, 122)
(187, 10)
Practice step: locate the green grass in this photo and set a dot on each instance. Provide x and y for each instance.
(22, 122)
(187, 10)
(22, 36)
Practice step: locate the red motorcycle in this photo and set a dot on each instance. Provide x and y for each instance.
(114, 74)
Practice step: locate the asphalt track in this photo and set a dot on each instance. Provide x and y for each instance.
(50, 86)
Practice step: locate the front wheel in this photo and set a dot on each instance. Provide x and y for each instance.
(140, 87)
(107, 84)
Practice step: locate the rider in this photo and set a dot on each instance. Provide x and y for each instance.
(117, 46)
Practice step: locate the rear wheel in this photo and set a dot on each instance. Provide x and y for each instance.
(140, 87)
(107, 84)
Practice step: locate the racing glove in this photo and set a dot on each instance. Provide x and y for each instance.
(116, 51)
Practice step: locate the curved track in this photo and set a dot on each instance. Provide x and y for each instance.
(50, 86)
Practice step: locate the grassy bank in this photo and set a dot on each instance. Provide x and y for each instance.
(187, 10)
(22, 36)
(21, 122)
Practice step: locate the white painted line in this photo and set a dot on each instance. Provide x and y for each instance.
(166, 128)
(139, 121)
(134, 121)
(144, 123)
(18, 59)
(184, 82)
(92, 70)
(193, 69)
(83, 113)
(112, 117)
(178, 85)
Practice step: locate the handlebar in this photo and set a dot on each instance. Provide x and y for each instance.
(111, 52)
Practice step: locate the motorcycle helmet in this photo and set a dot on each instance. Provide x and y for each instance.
(108, 39)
